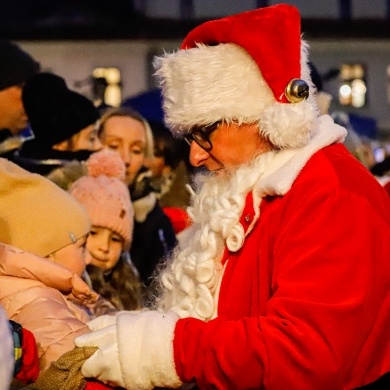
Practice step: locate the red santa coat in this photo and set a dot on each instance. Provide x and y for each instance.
(305, 303)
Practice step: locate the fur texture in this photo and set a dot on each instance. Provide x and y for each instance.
(192, 276)
(230, 88)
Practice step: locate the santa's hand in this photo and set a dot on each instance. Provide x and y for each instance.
(100, 363)
(102, 322)
(135, 352)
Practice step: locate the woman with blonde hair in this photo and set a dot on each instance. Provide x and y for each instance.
(127, 132)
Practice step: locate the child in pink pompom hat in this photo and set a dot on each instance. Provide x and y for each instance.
(106, 198)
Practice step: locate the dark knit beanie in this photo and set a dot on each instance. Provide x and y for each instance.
(54, 111)
(16, 66)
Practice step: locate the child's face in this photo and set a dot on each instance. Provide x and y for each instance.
(73, 256)
(105, 247)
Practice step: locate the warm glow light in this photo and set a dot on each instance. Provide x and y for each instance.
(113, 91)
(113, 95)
(358, 91)
(113, 75)
(353, 90)
(358, 87)
(345, 91)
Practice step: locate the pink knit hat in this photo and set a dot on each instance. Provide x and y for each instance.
(105, 196)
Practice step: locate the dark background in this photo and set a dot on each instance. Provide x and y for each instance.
(121, 19)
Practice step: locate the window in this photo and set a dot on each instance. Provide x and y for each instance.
(106, 86)
(353, 89)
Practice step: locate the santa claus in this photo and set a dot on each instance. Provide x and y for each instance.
(283, 282)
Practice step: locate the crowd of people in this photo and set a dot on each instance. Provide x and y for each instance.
(264, 266)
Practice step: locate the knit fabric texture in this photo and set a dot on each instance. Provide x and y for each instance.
(105, 196)
(55, 112)
(16, 66)
(36, 215)
(65, 373)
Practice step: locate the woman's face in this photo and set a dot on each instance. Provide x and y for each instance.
(127, 136)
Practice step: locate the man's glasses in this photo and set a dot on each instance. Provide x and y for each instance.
(201, 135)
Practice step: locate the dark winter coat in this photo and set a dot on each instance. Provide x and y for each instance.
(153, 236)
(37, 158)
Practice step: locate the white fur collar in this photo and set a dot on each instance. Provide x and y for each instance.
(193, 273)
(287, 164)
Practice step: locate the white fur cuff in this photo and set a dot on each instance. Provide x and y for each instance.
(145, 344)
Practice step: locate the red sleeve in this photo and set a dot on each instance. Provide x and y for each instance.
(29, 370)
(387, 187)
(95, 385)
(329, 297)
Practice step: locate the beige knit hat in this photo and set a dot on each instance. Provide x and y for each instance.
(104, 194)
(35, 214)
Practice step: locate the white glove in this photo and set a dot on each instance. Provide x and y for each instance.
(135, 350)
(104, 321)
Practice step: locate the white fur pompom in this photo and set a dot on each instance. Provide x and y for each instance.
(288, 125)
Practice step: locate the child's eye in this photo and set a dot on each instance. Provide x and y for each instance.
(92, 233)
(116, 238)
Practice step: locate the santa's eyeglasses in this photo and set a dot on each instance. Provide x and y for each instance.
(201, 135)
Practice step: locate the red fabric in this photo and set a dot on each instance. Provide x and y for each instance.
(29, 370)
(304, 304)
(387, 187)
(275, 46)
(95, 385)
(178, 217)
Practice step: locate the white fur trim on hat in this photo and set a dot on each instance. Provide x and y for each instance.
(206, 84)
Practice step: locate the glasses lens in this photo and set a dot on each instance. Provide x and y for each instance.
(188, 138)
(202, 136)
(202, 139)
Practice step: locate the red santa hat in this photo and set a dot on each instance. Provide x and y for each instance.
(246, 68)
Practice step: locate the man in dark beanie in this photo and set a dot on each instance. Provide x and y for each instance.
(16, 67)
(63, 123)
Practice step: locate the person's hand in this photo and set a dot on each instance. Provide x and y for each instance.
(135, 350)
(102, 322)
(104, 363)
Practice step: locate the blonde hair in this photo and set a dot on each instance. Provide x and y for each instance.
(129, 112)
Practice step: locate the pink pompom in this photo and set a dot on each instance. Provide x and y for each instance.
(106, 162)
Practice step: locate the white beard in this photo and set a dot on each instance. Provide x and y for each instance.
(193, 274)
(191, 279)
